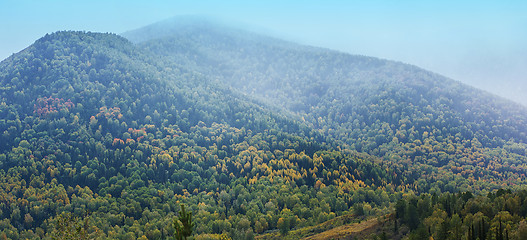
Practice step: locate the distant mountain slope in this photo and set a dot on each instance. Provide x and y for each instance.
(409, 116)
(89, 122)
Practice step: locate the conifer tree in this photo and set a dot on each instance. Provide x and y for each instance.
(183, 224)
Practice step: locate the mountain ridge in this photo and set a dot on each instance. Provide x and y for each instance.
(398, 112)
(131, 131)
(217, 29)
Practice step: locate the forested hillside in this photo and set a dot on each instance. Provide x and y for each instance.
(92, 125)
(437, 129)
(102, 138)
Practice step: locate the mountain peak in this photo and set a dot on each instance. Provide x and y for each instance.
(170, 27)
(69, 38)
(81, 36)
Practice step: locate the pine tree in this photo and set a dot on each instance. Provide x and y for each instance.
(183, 224)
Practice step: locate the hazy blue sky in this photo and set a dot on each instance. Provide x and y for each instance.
(482, 43)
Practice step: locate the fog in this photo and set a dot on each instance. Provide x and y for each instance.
(481, 43)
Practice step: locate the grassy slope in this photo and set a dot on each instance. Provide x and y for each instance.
(343, 227)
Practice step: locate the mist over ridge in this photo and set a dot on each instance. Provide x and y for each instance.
(184, 24)
(256, 136)
(479, 43)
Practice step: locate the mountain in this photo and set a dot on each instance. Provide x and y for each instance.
(438, 129)
(107, 138)
(102, 139)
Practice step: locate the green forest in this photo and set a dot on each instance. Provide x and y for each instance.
(223, 134)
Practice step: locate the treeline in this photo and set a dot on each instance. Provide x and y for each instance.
(501, 215)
